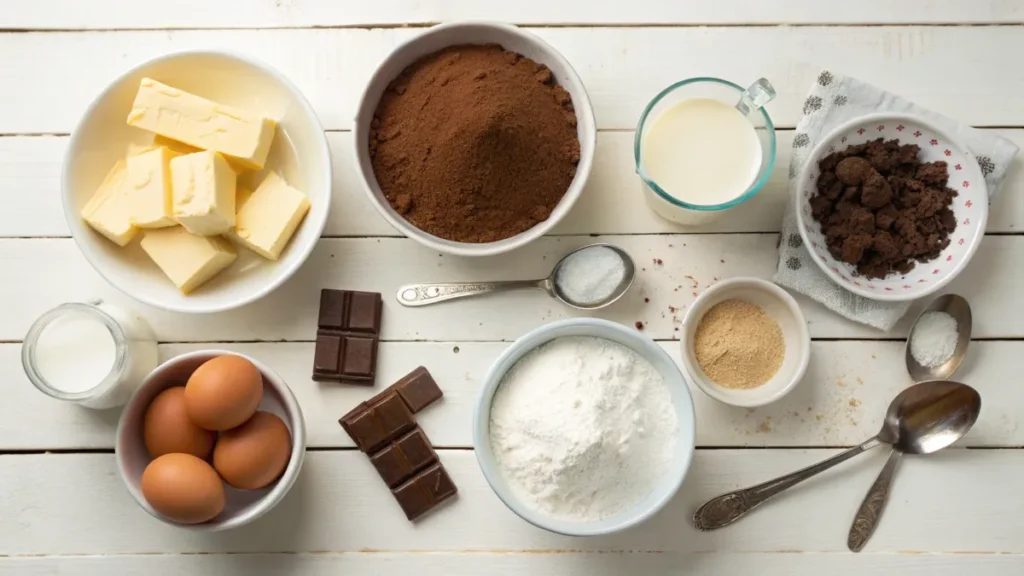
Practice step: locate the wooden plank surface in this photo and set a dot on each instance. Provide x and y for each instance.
(48, 272)
(623, 68)
(612, 203)
(840, 402)
(75, 504)
(568, 563)
(73, 14)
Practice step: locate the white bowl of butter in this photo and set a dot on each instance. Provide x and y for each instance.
(248, 163)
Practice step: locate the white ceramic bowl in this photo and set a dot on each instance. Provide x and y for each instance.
(243, 506)
(970, 206)
(666, 487)
(511, 38)
(299, 153)
(777, 304)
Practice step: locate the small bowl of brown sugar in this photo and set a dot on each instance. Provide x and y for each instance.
(745, 342)
(474, 138)
(891, 207)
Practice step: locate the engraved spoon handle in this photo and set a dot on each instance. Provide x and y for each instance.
(424, 294)
(870, 511)
(727, 508)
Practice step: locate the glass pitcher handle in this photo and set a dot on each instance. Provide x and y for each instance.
(755, 96)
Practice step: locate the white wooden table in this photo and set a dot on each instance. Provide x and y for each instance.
(63, 509)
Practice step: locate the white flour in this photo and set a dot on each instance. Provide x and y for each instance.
(582, 428)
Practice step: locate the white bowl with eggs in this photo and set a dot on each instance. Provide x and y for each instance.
(780, 307)
(298, 153)
(664, 488)
(240, 506)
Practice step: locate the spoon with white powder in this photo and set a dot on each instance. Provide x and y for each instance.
(936, 347)
(588, 278)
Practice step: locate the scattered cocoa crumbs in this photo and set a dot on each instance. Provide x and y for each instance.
(881, 208)
(647, 299)
(658, 261)
(639, 325)
(672, 309)
(474, 143)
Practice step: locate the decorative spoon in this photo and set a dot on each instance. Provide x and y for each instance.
(870, 510)
(921, 419)
(569, 282)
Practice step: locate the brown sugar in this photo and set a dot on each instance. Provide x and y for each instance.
(881, 209)
(738, 345)
(474, 143)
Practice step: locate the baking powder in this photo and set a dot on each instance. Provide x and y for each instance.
(591, 275)
(934, 339)
(582, 428)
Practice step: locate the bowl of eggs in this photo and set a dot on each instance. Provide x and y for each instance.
(212, 440)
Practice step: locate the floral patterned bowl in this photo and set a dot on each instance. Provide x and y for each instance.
(970, 206)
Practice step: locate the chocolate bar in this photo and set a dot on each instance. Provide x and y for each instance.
(418, 389)
(425, 491)
(348, 332)
(374, 424)
(385, 429)
(384, 417)
(398, 461)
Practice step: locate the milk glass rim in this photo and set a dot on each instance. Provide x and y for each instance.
(758, 184)
(117, 370)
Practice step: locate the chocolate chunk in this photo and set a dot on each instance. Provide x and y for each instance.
(348, 332)
(374, 425)
(425, 491)
(418, 389)
(398, 461)
(893, 209)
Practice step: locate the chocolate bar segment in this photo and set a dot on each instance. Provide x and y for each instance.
(418, 389)
(371, 426)
(425, 491)
(399, 460)
(348, 333)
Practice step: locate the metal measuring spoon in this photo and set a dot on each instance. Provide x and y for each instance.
(922, 419)
(870, 510)
(554, 285)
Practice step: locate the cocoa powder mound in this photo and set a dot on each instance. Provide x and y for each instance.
(474, 143)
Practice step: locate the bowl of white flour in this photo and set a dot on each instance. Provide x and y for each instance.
(584, 427)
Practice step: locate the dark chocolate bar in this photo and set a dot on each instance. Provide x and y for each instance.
(398, 461)
(425, 491)
(418, 389)
(348, 333)
(372, 425)
(385, 429)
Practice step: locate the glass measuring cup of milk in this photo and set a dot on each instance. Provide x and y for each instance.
(704, 145)
(93, 354)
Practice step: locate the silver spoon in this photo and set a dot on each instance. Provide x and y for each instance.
(870, 510)
(922, 419)
(560, 284)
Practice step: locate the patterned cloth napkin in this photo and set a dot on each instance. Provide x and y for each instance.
(833, 100)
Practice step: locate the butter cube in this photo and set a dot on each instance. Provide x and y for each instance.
(201, 123)
(268, 217)
(187, 259)
(149, 188)
(203, 193)
(109, 210)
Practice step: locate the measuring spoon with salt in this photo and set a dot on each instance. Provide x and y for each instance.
(870, 511)
(588, 278)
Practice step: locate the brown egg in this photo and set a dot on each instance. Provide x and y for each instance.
(167, 428)
(254, 454)
(183, 488)
(223, 392)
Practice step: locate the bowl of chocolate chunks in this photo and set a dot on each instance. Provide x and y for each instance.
(891, 207)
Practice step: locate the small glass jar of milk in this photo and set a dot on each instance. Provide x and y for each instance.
(704, 145)
(93, 354)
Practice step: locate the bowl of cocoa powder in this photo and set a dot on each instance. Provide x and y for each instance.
(891, 207)
(474, 138)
